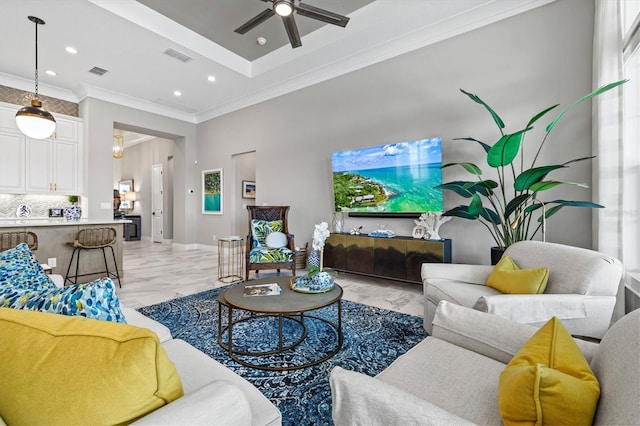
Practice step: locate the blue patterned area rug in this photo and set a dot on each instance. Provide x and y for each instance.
(373, 338)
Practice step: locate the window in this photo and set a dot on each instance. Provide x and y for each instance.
(630, 19)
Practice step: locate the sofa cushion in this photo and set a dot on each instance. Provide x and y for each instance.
(269, 255)
(20, 268)
(96, 299)
(218, 403)
(364, 400)
(57, 369)
(134, 317)
(548, 381)
(261, 228)
(197, 370)
(455, 379)
(508, 278)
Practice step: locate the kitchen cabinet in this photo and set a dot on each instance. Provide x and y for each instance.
(12, 162)
(40, 166)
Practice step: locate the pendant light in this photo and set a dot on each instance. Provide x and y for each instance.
(32, 120)
(118, 146)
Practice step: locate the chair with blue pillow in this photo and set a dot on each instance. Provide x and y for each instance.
(269, 244)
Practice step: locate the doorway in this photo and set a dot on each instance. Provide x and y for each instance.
(245, 170)
(148, 161)
(157, 203)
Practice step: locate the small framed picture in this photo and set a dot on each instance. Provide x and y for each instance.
(248, 189)
(418, 232)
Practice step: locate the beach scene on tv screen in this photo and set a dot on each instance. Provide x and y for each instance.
(392, 178)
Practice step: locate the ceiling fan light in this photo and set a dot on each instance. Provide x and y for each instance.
(35, 122)
(283, 7)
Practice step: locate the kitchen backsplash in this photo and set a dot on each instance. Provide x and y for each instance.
(38, 205)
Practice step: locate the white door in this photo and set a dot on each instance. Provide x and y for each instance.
(157, 201)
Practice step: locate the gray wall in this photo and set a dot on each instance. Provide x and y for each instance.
(136, 164)
(519, 66)
(100, 118)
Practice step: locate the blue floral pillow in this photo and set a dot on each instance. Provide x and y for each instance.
(261, 228)
(20, 268)
(97, 300)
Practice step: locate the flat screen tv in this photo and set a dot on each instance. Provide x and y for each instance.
(396, 179)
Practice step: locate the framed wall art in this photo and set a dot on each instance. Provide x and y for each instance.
(212, 193)
(248, 189)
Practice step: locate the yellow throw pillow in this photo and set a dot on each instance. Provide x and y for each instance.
(508, 278)
(548, 381)
(60, 370)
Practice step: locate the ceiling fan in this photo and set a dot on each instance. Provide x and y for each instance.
(285, 9)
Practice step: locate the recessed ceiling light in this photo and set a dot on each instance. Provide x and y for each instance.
(261, 41)
(211, 78)
(71, 50)
(50, 72)
(177, 93)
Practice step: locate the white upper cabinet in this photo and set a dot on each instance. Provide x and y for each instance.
(12, 162)
(40, 166)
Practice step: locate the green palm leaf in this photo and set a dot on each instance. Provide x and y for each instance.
(506, 149)
(495, 116)
(529, 177)
(485, 146)
(596, 92)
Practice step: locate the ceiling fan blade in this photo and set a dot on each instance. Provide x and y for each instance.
(321, 15)
(292, 31)
(255, 21)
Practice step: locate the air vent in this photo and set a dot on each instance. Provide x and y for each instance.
(178, 55)
(98, 71)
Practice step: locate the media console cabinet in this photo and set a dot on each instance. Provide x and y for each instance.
(398, 258)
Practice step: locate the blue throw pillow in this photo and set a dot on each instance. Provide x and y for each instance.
(20, 268)
(97, 300)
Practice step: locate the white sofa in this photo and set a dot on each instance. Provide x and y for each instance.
(452, 376)
(581, 289)
(213, 394)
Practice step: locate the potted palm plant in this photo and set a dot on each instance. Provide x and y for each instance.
(507, 209)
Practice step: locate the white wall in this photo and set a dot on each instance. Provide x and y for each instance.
(519, 66)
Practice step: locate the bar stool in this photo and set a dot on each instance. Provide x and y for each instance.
(92, 239)
(9, 240)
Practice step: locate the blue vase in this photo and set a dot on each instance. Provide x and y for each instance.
(73, 213)
(314, 258)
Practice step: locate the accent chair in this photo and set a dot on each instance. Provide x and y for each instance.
(269, 252)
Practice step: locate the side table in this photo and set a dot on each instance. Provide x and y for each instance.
(133, 230)
(230, 259)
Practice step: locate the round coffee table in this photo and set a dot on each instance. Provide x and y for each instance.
(288, 305)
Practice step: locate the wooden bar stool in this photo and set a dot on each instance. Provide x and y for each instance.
(92, 239)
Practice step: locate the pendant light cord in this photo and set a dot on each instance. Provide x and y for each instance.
(36, 59)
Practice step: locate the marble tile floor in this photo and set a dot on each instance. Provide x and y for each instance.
(155, 272)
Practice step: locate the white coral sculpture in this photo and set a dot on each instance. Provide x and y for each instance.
(431, 222)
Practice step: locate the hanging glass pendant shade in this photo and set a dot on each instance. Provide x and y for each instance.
(118, 146)
(32, 120)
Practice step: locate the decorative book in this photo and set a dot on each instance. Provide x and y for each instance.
(271, 289)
